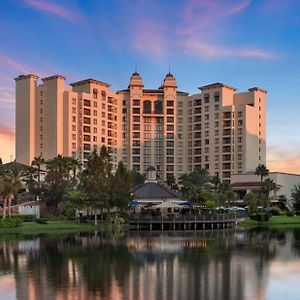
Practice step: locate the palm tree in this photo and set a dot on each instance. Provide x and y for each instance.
(38, 162)
(8, 188)
(268, 186)
(262, 171)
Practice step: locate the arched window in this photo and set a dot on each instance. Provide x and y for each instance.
(147, 107)
(158, 107)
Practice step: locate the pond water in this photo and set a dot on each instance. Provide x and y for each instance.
(221, 264)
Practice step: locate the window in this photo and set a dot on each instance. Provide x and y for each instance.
(73, 145)
(147, 128)
(216, 107)
(170, 111)
(170, 120)
(147, 107)
(95, 104)
(206, 98)
(170, 127)
(170, 160)
(73, 137)
(73, 119)
(136, 126)
(158, 128)
(135, 110)
(135, 143)
(170, 103)
(206, 109)
(136, 135)
(95, 93)
(136, 118)
(73, 127)
(86, 102)
(158, 107)
(170, 151)
(147, 135)
(240, 122)
(74, 101)
(147, 120)
(136, 102)
(158, 136)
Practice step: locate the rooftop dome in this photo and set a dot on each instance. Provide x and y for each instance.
(135, 80)
(170, 81)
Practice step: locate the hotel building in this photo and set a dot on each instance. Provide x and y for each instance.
(217, 129)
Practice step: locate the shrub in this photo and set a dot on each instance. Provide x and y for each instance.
(10, 222)
(283, 213)
(290, 213)
(274, 211)
(42, 221)
(263, 217)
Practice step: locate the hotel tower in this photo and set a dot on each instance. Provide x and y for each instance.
(217, 129)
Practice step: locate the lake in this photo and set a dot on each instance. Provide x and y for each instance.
(221, 264)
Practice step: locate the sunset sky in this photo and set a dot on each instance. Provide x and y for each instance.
(243, 43)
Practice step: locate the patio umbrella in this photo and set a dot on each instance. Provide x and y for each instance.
(167, 205)
(188, 203)
(135, 203)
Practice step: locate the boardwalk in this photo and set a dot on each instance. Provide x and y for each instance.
(183, 222)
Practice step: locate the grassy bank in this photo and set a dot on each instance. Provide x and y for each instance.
(275, 221)
(50, 227)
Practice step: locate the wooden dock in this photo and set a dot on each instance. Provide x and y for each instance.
(183, 222)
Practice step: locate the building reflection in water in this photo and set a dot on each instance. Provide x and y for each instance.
(223, 264)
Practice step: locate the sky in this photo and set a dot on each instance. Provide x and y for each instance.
(243, 43)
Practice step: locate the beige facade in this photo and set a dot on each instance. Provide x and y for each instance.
(154, 128)
(52, 119)
(217, 129)
(226, 130)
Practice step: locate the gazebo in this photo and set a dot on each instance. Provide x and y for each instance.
(152, 192)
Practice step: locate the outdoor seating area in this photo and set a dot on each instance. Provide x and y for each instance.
(186, 215)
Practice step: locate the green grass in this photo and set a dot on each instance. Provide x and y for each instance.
(280, 221)
(50, 227)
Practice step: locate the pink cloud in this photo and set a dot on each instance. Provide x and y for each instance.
(4, 130)
(14, 64)
(205, 49)
(55, 9)
(149, 38)
(199, 24)
(278, 160)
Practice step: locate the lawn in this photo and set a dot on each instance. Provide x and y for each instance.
(51, 226)
(274, 221)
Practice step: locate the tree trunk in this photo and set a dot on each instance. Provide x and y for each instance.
(102, 215)
(9, 205)
(4, 207)
(96, 221)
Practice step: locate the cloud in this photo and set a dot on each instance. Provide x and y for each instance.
(6, 131)
(283, 161)
(194, 32)
(55, 9)
(205, 49)
(14, 64)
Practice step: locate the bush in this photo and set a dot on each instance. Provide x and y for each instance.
(290, 213)
(263, 217)
(297, 212)
(283, 213)
(27, 218)
(41, 221)
(274, 211)
(10, 222)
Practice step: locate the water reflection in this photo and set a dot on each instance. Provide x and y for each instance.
(224, 264)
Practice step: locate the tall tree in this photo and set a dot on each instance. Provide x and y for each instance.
(38, 162)
(57, 181)
(262, 172)
(171, 182)
(96, 180)
(121, 187)
(282, 202)
(193, 183)
(8, 188)
(136, 178)
(296, 197)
